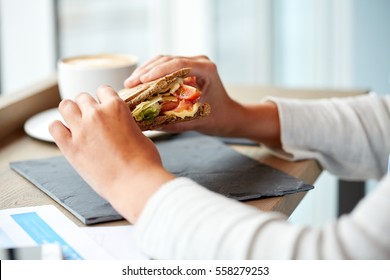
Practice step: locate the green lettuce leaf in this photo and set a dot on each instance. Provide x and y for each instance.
(147, 110)
(149, 113)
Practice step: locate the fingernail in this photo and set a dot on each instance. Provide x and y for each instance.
(131, 81)
(145, 78)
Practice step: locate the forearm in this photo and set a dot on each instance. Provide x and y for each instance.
(259, 122)
(130, 193)
(348, 136)
(185, 221)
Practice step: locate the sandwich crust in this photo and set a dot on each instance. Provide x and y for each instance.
(159, 121)
(134, 96)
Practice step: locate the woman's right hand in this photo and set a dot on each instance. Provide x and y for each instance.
(225, 112)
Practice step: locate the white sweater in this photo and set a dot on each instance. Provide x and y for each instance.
(350, 137)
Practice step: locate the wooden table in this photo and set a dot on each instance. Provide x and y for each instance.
(15, 191)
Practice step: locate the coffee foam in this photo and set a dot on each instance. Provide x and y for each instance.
(100, 61)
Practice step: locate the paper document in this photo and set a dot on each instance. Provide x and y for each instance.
(30, 226)
(119, 241)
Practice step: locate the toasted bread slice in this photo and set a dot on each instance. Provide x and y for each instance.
(134, 96)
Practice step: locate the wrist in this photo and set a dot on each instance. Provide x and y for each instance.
(259, 122)
(132, 191)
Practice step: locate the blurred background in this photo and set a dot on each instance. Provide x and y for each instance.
(289, 43)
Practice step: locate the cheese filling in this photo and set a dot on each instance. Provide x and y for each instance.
(185, 113)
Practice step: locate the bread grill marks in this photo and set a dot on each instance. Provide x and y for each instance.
(160, 121)
(134, 96)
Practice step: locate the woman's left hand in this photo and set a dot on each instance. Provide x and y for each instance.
(104, 144)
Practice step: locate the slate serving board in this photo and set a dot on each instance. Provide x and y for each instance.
(204, 159)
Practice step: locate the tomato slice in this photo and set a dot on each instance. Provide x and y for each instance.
(190, 81)
(184, 105)
(168, 106)
(187, 93)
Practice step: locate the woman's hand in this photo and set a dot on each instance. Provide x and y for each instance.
(224, 111)
(259, 122)
(104, 144)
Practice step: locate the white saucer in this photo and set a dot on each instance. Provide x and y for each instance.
(37, 126)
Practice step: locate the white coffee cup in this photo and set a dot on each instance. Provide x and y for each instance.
(86, 73)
